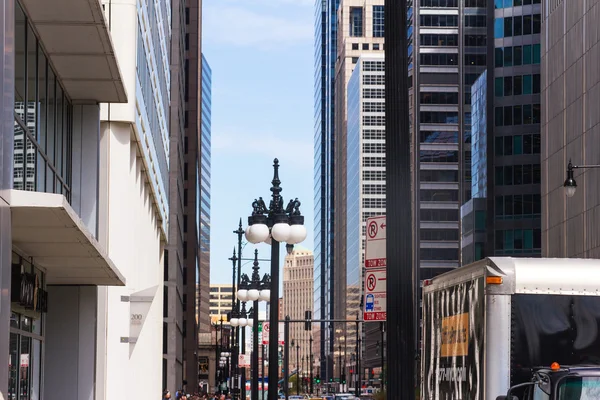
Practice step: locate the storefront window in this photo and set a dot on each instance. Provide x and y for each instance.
(26, 331)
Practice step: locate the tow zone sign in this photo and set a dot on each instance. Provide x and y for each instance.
(375, 270)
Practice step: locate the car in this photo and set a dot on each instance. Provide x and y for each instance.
(344, 396)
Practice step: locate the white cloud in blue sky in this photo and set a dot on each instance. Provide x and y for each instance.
(261, 55)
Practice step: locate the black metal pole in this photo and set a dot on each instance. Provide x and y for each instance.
(303, 374)
(239, 232)
(255, 351)
(402, 273)
(356, 368)
(286, 357)
(217, 358)
(243, 370)
(262, 374)
(274, 316)
(382, 328)
(233, 329)
(310, 351)
(340, 365)
(297, 371)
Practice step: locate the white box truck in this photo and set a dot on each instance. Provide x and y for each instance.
(520, 327)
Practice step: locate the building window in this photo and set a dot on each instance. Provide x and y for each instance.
(354, 46)
(365, 46)
(378, 21)
(439, 59)
(439, 20)
(375, 46)
(43, 125)
(498, 28)
(439, 40)
(354, 60)
(356, 21)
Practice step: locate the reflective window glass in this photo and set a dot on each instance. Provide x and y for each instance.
(527, 54)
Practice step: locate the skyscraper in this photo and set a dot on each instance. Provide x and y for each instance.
(297, 298)
(569, 130)
(325, 56)
(203, 196)
(504, 216)
(360, 32)
(366, 189)
(175, 308)
(447, 51)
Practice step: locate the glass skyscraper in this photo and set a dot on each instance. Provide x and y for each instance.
(504, 216)
(325, 56)
(451, 38)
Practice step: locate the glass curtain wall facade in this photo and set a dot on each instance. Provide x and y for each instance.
(325, 56)
(451, 39)
(516, 131)
(43, 126)
(204, 197)
(504, 216)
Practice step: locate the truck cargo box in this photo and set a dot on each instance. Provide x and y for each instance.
(486, 325)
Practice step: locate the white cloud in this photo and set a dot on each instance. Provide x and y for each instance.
(239, 26)
(297, 151)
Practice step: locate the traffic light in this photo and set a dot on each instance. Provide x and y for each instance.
(330, 380)
(308, 318)
(318, 379)
(344, 378)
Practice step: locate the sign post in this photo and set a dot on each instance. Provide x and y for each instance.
(375, 270)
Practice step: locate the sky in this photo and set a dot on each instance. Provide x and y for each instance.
(261, 56)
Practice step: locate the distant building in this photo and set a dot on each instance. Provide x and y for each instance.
(221, 300)
(366, 191)
(281, 309)
(298, 294)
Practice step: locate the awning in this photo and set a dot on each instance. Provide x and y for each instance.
(76, 37)
(46, 228)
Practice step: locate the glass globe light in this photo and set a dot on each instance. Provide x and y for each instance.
(250, 323)
(281, 232)
(265, 295)
(243, 322)
(242, 295)
(234, 321)
(297, 234)
(253, 294)
(258, 233)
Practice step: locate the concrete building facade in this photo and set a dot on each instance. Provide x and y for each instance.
(447, 53)
(221, 301)
(366, 190)
(569, 128)
(84, 209)
(360, 33)
(298, 281)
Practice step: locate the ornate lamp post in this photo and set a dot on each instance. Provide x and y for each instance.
(255, 290)
(275, 225)
(570, 184)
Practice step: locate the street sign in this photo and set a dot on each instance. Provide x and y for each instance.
(375, 295)
(265, 333)
(281, 333)
(375, 256)
(244, 360)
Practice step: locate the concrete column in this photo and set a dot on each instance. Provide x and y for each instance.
(86, 153)
(70, 354)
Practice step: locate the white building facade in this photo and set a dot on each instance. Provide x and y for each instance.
(83, 199)
(134, 176)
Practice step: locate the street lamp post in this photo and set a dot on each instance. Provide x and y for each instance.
(310, 351)
(233, 315)
(275, 225)
(570, 184)
(297, 370)
(254, 289)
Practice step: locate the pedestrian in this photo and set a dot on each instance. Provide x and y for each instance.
(166, 395)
